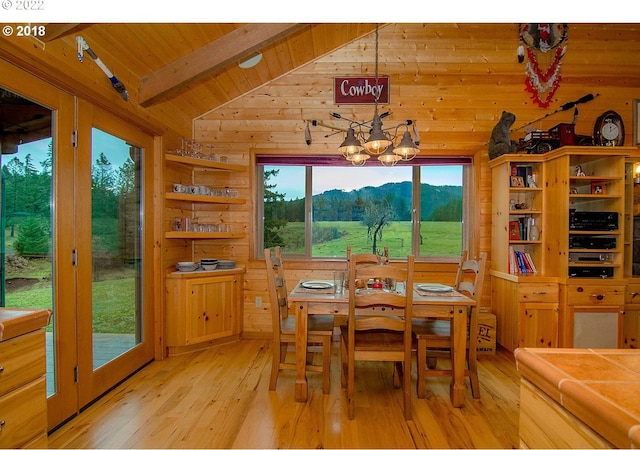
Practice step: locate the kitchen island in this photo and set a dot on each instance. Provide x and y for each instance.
(579, 398)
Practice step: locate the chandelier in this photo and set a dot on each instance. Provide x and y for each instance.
(358, 148)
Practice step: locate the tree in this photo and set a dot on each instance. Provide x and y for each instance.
(104, 202)
(33, 238)
(274, 210)
(449, 212)
(377, 215)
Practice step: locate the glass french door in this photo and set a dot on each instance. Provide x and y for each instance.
(115, 310)
(74, 236)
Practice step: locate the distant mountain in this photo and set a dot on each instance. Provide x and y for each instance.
(340, 205)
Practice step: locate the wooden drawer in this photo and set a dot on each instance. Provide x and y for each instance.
(538, 292)
(22, 359)
(24, 413)
(632, 293)
(595, 294)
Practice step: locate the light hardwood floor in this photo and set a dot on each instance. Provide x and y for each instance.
(219, 398)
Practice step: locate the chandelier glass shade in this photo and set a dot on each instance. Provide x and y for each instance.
(406, 149)
(351, 145)
(358, 159)
(388, 158)
(378, 140)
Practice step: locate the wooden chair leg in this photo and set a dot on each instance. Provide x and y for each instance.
(351, 380)
(422, 366)
(473, 373)
(344, 364)
(407, 392)
(275, 366)
(326, 364)
(397, 374)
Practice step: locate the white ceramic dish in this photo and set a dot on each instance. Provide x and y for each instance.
(427, 287)
(316, 284)
(208, 266)
(187, 268)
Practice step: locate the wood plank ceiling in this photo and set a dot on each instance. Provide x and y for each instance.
(193, 68)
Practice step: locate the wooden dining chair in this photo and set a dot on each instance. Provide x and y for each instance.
(435, 334)
(382, 258)
(378, 326)
(319, 332)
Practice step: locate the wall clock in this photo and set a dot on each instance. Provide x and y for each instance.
(609, 130)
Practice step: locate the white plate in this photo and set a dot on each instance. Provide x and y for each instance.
(316, 284)
(187, 268)
(434, 288)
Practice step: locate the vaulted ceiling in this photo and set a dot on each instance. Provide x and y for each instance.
(194, 67)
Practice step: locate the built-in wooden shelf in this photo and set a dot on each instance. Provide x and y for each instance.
(202, 235)
(206, 163)
(204, 198)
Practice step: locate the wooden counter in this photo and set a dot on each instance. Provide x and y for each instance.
(17, 321)
(23, 389)
(579, 397)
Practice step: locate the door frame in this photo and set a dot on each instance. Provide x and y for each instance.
(93, 383)
(63, 403)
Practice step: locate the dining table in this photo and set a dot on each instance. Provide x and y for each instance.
(433, 300)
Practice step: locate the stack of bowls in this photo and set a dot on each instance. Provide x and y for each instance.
(226, 264)
(208, 263)
(187, 266)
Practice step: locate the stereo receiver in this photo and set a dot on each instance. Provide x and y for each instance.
(593, 220)
(592, 242)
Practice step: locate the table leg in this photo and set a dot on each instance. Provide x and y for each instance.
(302, 323)
(458, 389)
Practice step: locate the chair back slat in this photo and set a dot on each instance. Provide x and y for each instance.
(371, 302)
(470, 275)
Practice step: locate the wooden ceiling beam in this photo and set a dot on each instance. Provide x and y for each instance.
(56, 30)
(211, 58)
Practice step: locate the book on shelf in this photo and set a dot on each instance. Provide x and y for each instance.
(531, 264)
(520, 262)
(514, 231)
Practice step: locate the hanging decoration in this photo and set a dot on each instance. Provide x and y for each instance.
(546, 45)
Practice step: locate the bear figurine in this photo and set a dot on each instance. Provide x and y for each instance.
(500, 142)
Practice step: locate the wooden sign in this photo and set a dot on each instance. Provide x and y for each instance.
(360, 90)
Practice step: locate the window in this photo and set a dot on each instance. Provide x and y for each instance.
(316, 207)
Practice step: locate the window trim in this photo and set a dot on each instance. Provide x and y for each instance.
(309, 161)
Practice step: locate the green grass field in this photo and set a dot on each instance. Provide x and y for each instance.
(438, 238)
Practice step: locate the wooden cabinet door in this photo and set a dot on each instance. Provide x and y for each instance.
(538, 325)
(211, 309)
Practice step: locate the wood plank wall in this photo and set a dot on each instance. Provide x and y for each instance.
(453, 79)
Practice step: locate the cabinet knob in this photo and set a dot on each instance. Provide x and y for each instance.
(2, 422)
(1, 369)
(598, 297)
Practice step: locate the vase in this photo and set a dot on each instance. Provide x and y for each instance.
(534, 233)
